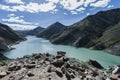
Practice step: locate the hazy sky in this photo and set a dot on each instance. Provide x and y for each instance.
(28, 14)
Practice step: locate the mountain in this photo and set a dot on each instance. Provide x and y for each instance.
(23, 32)
(35, 31)
(8, 36)
(88, 31)
(110, 40)
(51, 30)
(30, 32)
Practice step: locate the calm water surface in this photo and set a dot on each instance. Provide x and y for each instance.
(36, 45)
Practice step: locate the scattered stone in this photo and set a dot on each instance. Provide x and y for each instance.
(14, 67)
(59, 73)
(30, 66)
(2, 74)
(49, 67)
(60, 54)
(65, 59)
(30, 74)
(58, 63)
(72, 75)
(68, 76)
(116, 70)
(98, 78)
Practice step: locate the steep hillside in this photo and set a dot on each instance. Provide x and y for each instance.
(8, 36)
(51, 30)
(110, 40)
(88, 31)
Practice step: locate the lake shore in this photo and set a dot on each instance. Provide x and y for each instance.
(39, 45)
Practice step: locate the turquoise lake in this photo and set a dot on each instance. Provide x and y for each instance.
(39, 45)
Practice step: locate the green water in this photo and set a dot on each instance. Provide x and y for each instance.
(36, 45)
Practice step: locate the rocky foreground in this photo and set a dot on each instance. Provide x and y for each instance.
(59, 67)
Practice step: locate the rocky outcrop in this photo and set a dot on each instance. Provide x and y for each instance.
(50, 67)
(50, 30)
(88, 31)
(8, 36)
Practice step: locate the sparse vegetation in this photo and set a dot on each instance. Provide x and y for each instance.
(4, 62)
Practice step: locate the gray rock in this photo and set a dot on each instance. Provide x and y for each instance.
(59, 73)
(2, 74)
(30, 74)
(30, 66)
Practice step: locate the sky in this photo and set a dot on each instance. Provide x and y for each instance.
(29, 14)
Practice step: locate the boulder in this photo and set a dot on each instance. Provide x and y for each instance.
(2, 74)
(51, 69)
(68, 76)
(30, 66)
(59, 73)
(95, 64)
(58, 63)
(116, 70)
(14, 67)
(60, 54)
(30, 74)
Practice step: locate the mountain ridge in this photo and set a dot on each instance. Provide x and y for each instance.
(50, 30)
(8, 36)
(86, 32)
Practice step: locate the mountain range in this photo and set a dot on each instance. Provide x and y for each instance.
(99, 31)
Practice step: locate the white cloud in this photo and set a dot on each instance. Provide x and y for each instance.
(87, 2)
(21, 26)
(87, 14)
(6, 8)
(80, 9)
(10, 15)
(100, 3)
(22, 16)
(31, 7)
(54, 1)
(71, 4)
(65, 13)
(15, 19)
(110, 6)
(14, 1)
(73, 12)
(74, 6)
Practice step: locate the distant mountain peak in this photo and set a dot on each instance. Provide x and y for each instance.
(57, 23)
(51, 30)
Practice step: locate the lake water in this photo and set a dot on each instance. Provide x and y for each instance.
(39, 45)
